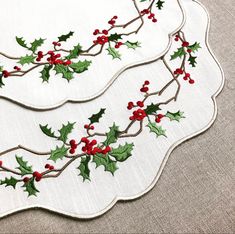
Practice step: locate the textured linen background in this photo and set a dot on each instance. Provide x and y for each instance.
(196, 192)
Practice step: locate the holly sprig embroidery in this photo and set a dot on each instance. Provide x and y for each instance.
(68, 62)
(102, 148)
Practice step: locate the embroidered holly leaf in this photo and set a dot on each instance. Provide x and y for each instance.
(192, 61)
(158, 130)
(80, 66)
(132, 45)
(178, 54)
(27, 59)
(122, 153)
(195, 47)
(114, 53)
(47, 131)
(115, 37)
(159, 4)
(58, 153)
(65, 37)
(112, 135)
(96, 117)
(84, 168)
(9, 182)
(45, 73)
(74, 53)
(175, 116)
(24, 168)
(104, 160)
(35, 44)
(21, 42)
(30, 188)
(65, 131)
(64, 71)
(152, 109)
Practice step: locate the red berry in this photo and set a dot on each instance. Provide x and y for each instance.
(84, 140)
(115, 17)
(146, 82)
(72, 151)
(140, 104)
(189, 50)
(158, 120)
(105, 32)
(72, 142)
(187, 75)
(51, 168)
(1, 163)
(26, 180)
(94, 142)
(144, 89)
(160, 116)
(154, 20)
(185, 78)
(191, 81)
(47, 166)
(185, 44)
(92, 127)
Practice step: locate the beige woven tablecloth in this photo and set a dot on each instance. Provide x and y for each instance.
(196, 192)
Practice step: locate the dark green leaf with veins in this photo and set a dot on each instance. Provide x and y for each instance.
(58, 153)
(112, 135)
(21, 42)
(122, 153)
(47, 131)
(9, 182)
(35, 44)
(65, 37)
(104, 160)
(132, 45)
(30, 188)
(114, 53)
(27, 59)
(46, 73)
(115, 37)
(175, 116)
(24, 168)
(159, 4)
(84, 168)
(74, 53)
(80, 66)
(65, 131)
(64, 71)
(192, 61)
(96, 117)
(178, 54)
(158, 130)
(152, 109)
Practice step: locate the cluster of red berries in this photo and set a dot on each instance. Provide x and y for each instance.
(40, 56)
(17, 68)
(113, 20)
(188, 77)
(97, 31)
(145, 88)
(101, 40)
(118, 44)
(54, 59)
(73, 146)
(90, 148)
(138, 115)
(179, 71)
(89, 127)
(6, 73)
(49, 167)
(37, 175)
(151, 15)
(55, 43)
(159, 118)
(131, 105)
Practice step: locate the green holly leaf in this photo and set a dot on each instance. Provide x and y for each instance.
(35, 44)
(153, 108)
(122, 153)
(74, 53)
(192, 61)
(158, 130)
(80, 66)
(159, 4)
(65, 131)
(24, 168)
(104, 160)
(45, 73)
(112, 135)
(178, 54)
(96, 117)
(114, 53)
(30, 188)
(9, 182)
(58, 153)
(64, 71)
(65, 37)
(84, 168)
(21, 42)
(115, 37)
(132, 45)
(47, 131)
(27, 59)
(175, 116)
(195, 47)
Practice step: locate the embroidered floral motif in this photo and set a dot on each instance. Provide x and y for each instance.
(101, 148)
(67, 63)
